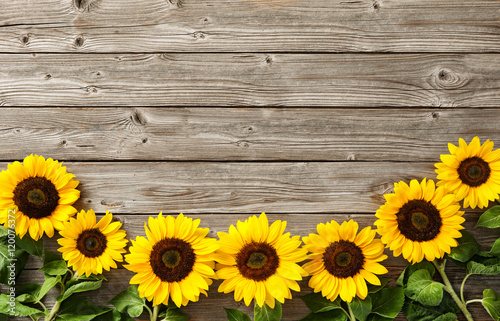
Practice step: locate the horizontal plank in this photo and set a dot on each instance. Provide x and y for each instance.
(297, 224)
(250, 26)
(350, 80)
(205, 187)
(215, 134)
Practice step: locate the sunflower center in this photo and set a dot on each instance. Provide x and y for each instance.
(474, 171)
(343, 259)
(419, 220)
(172, 259)
(36, 197)
(257, 261)
(91, 243)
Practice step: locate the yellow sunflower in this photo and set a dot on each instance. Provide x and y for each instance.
(342, 261)
(175, 261)
(90, 247)
(471, 172)
(420, 221)
(41, 193)
(259, 261)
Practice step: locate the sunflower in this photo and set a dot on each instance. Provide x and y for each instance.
(420, 221)
(41, 193)
(175, 261)
(90, 247)
(471, 172)
(259, 261)
(342, 261)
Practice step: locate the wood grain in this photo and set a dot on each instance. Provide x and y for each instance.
(250, 26)
(350, 80)
(252, 134)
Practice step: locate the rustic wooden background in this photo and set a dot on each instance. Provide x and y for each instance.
(306, 109)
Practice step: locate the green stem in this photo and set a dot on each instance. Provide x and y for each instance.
(42, 305)
(475, 300)
(351, 314)
(56, 306)
(462, 288)
(440, 265)
(149, 310)
(156, 310)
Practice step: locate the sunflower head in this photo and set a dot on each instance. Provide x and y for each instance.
(258, 261)
(90, 247)
(342, 260)
(420, 221)
(471, 172)
(40, 192)
(175, 260)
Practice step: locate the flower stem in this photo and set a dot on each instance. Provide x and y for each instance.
(351, 314)
(462, 288)
(156, 310)
(440, 265)
(475, 300)
(56, 306)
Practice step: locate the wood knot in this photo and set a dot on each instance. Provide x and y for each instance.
(376, 6)
(91, 89)
(79, 41)
(268, 60)
(175, 3)
(84, 4)
(198, 35)
(445, 78)
(138, 118)
(25, 39)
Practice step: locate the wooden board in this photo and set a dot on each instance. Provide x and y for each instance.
(253, 134)
(250, 26)
(350, 80)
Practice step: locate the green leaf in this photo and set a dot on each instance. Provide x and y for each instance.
(113, 315)
(423, 289)
(466, 249)
(175, 315)
(388, 302)
(485, 269)
(55, 268)
(80, 287)
(265, 313)
(491, 302)
(375, 288)
(410, 269)
(495, 248)
(236, 315)
(3, 231)
(333, 315)
(376, 317)
(15, 308)
(28, 292)
(11, 261)
(49, 283)
(490, 218)
(78, 309)
(30, 245)
(129, 302)
(447, 317)
(415, 311)
(361, 308)
(318, 303)
(51, 256)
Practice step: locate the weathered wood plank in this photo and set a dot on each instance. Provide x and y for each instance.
(350, 80)
(241, 134)
(205, 187)
(250, 26)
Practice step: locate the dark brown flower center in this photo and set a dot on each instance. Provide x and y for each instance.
(36, 197)
(419, 220)
(91, 243)
(172, 259)
(343, 259)
(474, 171)
(257, 261)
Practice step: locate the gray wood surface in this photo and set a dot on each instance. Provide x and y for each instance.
(250, 26)
(247, 134)
(348, 80)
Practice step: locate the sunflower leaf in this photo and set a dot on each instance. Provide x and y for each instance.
(49, 283)
(129, 302)
(491, 302)
(410, 269)
(318, 303)
(361, 308)
(265, 313)
(423, 289)
(236, 315)
(375, 288)
(28, 292)
(78, 309)
(415, 311)
(30, 245)
(55, 268)
(466, 249)
(49, 256)
(113, 315)
(3, 231)
(376, 317)
(495, 248)
(333, 315)
(80, 287)
(485, 269)
(388, 302)
(174, 315)
(15, 308)
(490, 218)
(12, 259)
